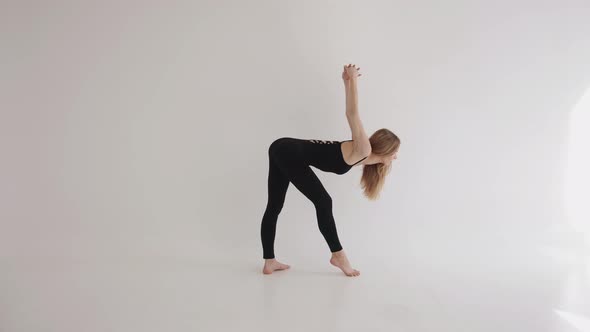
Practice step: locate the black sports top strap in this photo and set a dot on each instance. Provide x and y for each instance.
(359, 161)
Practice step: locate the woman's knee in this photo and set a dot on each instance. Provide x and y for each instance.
(323, 202)
(274, 208)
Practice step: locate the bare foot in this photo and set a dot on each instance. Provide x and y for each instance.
(340, 260)
(271, 265)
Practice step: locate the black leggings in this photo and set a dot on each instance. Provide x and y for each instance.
(286, 166)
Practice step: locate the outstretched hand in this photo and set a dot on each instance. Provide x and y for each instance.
(349, 71)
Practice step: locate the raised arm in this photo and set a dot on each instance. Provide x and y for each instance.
(360, 139)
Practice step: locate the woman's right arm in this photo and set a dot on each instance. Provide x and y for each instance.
(351, 96)
(359, 136)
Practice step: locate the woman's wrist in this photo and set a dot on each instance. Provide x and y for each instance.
(348, 81)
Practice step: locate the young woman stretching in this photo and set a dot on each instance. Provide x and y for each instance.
(290, 160)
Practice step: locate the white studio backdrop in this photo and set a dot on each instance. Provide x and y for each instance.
(141, 129)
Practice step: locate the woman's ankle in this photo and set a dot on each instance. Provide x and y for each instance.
(338, 253)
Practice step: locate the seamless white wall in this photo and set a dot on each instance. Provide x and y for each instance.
(135, 129)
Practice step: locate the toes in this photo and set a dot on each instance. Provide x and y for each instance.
(354, 273)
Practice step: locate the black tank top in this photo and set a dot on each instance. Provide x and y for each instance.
(325, 155)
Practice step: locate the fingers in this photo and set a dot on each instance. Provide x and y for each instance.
(353, 66)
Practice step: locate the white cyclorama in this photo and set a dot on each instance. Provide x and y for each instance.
(134, 143)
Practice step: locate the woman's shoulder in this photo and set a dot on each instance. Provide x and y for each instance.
(351, 153)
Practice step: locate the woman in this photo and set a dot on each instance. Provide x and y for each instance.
(290, 160)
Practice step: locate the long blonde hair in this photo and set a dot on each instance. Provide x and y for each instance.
(383, 143)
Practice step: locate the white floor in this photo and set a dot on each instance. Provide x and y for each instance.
(510, 290)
